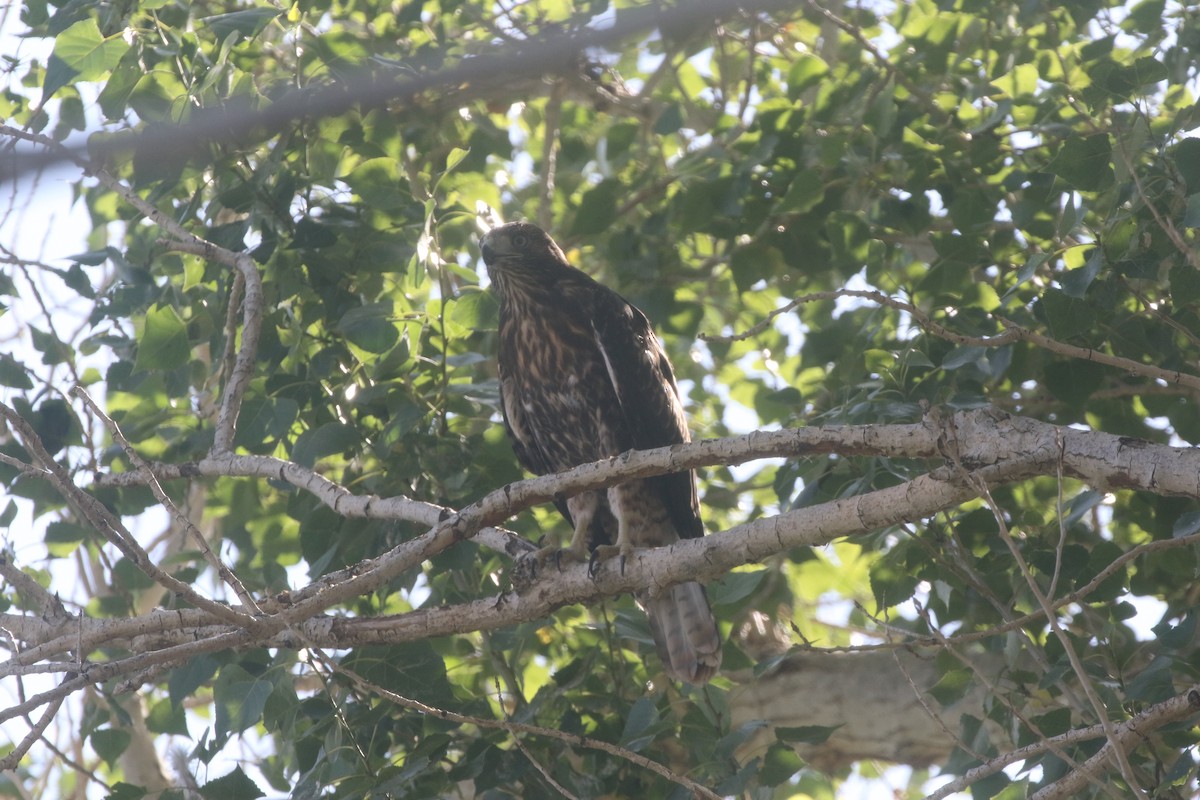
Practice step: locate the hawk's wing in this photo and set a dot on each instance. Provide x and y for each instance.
(645, 386)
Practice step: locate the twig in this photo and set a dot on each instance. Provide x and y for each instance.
(252, 313)
(1059, 548)
(1076, 665)
(512, 728)
(1125, 735)
(36, 731)
(93, 673)
(1012, 333)
(549, 155)
(920, 696)
(111, 527)
(1156, 716)
(225, 573)
(994, 692)
(28, 470)
(48, 605)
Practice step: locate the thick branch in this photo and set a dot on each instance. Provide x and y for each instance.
(543, 55)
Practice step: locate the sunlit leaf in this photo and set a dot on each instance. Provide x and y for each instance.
(163, 343)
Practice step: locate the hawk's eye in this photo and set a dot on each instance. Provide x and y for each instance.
(520, 240)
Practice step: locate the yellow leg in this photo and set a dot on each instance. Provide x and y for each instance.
(576, 552)
(623, 549)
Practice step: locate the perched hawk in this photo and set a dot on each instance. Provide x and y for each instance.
(583, 377)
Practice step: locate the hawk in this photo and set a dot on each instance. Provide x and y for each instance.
(582, 378)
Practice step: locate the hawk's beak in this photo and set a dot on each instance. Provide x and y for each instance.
(486, 248)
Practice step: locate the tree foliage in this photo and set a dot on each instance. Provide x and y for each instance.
(871, 216)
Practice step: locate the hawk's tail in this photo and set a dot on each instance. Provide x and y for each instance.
(685, 632)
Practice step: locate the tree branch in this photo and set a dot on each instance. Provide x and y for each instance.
(1012, 333)
(1125, 736)
(1158, 715)
(513, 728)
(480, 76)
(223, 572)
(111, 527)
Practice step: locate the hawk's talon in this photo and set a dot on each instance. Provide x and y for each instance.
(608, 551)
(558, 555)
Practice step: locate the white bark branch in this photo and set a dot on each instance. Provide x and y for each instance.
(985, 446)
(1125, 736)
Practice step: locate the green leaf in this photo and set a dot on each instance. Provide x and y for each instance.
(1155, 683)
(13, 373)
(370, 327)
(1185, 283)
(1085, 162)
(166, 717)
(1186, 525)
(989, 786)
(1145, 17)
(403, 667)
(328, 439)
(964, 355)
(807, 70)
(186, 679)
(1074, 381)
(265, 420)
(380, 183)
(597, 209)
(1178, 636)
(233, 786)
(1076, 282)
(952, 686)
(891, 583)
(639, 724)
(754, 262)
(63, 532)
(849, 237)
(312, 235)
(669, 121)
(805, 193)
(780, 764)
(127, 791)
(805, 734)
(246, 24)
(120, 84)
(239, 699)
(1185, 157)
(81, 53)
(736, 587)
(163, 343)
(76, 279)
(92, 258)
(475, 311)
(1065, 316)
(1191, 216)
(110, 744)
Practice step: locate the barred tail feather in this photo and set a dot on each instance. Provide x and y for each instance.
(685, 632)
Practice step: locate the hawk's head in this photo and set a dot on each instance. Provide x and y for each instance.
(519, 256)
